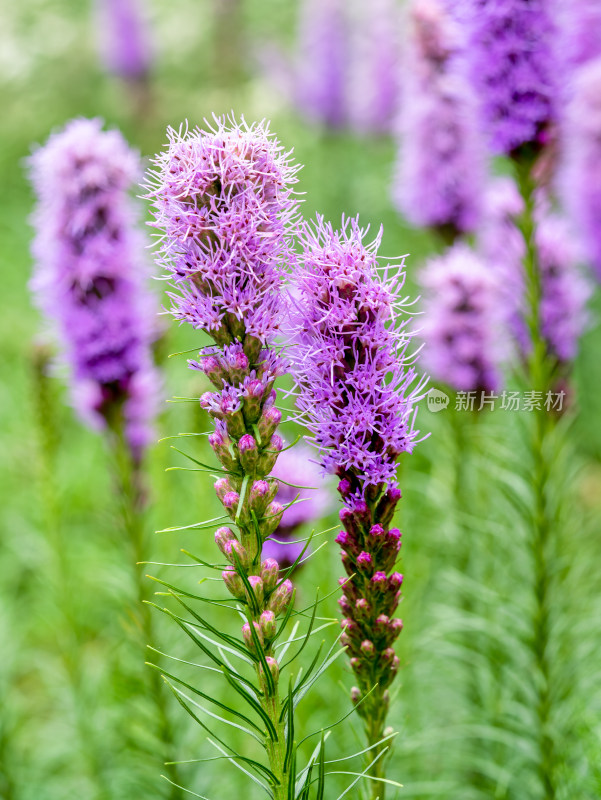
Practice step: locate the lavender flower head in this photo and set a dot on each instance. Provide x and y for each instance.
(462, 321)
(511, 62)
(321, 68)
(356, 389)
(581, 169)
(224, 199)
(125, 40)
(440, 171)
(358, 392)
(374, 69)
(579, 32)
(89, 277)
(295, 466)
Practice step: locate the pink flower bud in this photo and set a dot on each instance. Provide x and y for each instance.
(376, 531)
(256, 585)
(222, 537)
(344, 487)
(365, 562)
(247, 447)
(274, 669)
(395, 581)
(270, 570)
(237, 554)
(281, 597)
(230, 501)
(234, 583)
(268, 624)
(222, 487)
(367, 648)
(247, 635)
(271, 519)
(268, 422)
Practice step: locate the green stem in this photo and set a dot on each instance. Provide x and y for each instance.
(74, 637)
(132, 500)
(540, 374)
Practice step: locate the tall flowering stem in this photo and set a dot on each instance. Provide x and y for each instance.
(89, 280)
(357, 392)
(223, 200)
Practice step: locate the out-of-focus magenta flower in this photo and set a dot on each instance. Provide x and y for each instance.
(374, 68)
(124, 38)
(581, 171)
(565, 291)
(295, 466)
(579, 32)
(462, 323)
(321, 73)
(90, 275)
(440, 173)
(512, 65)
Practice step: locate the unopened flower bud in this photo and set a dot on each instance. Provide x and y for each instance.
(281, 597)
(268, 422)
(234, 583)
(253, 395)
(247, 448)
(376, 531)
(261, 494)
(270, 454)
(222, 537)
(270, 571)
(365, 563)
(344, 487)
(343, 539)
(274, 669)
(213, 370)
(271, 519)
(355, 695)
(395, 581)
(268, 624)
(236, 364)
(230, 502)
(344, 604)
(247, 635)
(222, 487)
(367, 648)
(362, 608)
(388, 655)
(237, 554)
(256, 585)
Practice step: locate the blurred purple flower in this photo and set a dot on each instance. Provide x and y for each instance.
(440, 172)
(462, 324)
(374, 68)
(565, 291)
(296, 467)
(124, 38)
(579, 32)
(580, 179)
(511, 62)
(90, 274)
(321, 74)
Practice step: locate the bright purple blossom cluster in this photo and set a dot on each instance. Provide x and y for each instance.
(125, 39)
(463, 318)
(512, 66)
(294, 469)
(90, 275)
(358, 394)
(223, 199)
(440, 173)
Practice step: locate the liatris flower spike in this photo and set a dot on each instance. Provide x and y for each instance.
(440, 173)
(296, 468)
(90, 275)
(463, 321)
(125, 39)
(357, 392)
(223, 199)
(511, 61)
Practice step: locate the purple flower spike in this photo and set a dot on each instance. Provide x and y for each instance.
(125, 39)
(90, 276)
(511, 62)
(321, 68)
(440, 174)
(581, 173)
(462, 321)
(358, 395)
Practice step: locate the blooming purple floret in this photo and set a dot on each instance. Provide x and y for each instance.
(321, 71)
(440, 172)
(358, 394)
(512, 65)
(90, 275)
(309, 504)
(125, 39)
(581, 172)
(462, 323)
